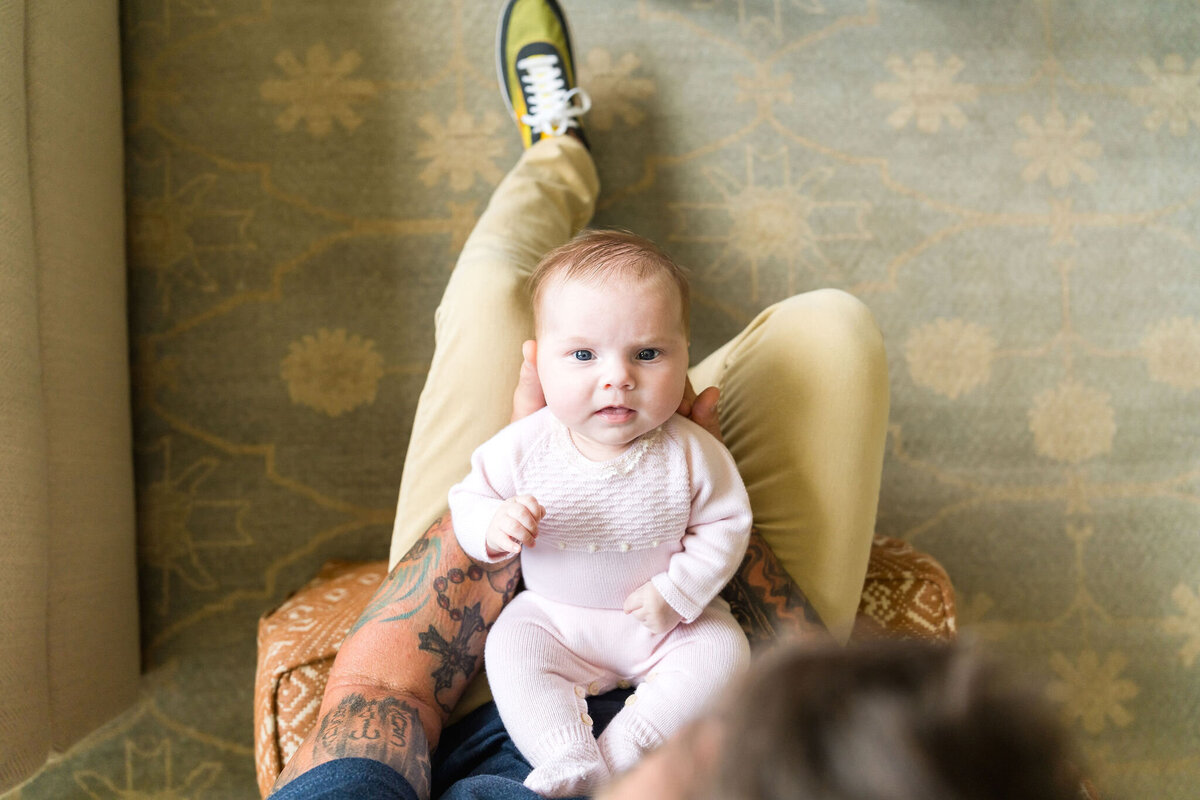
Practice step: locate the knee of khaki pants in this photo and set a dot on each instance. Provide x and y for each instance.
(804, 404)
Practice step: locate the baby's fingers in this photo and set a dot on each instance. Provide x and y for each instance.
(517, 532)
(530, 504)
(528, 512)
(633, 605)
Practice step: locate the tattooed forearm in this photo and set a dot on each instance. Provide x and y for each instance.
(409, 657)
(408, 580)
(435, 569)
(765, 599)
(387, 730)
(439, 603)
(380, 727)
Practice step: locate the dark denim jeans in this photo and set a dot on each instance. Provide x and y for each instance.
(475, 760)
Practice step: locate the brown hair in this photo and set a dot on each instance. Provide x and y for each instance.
(904, 721)
(595, 254)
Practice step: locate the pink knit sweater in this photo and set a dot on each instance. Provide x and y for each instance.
(672, 509)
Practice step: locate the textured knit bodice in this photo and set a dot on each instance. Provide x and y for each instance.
(671, 508)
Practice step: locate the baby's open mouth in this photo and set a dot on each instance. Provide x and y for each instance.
(616, 413)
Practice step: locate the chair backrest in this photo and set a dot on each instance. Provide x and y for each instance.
(68, 581)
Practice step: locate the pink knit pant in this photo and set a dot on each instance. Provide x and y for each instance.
(544, 658)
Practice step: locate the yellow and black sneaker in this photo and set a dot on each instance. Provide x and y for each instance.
(537, 70)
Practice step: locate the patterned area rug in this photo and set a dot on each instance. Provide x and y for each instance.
(1012, 187)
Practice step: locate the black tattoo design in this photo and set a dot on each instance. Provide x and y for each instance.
(458, 657)
(476, 572)
(386, 730)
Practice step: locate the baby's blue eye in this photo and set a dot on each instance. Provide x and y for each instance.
(583, 355)
(649, 354)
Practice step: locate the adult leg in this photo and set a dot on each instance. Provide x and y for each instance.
(483, 318)
(478, 759)
(357, 778)
(804, 405)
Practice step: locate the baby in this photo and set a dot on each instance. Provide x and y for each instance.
(628, 518)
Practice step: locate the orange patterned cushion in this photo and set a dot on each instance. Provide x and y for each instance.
(296, 646)
(907, 594)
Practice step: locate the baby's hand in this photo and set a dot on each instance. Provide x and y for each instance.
(514, 525)
(649, 608)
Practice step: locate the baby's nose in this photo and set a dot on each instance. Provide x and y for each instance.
(619, 377)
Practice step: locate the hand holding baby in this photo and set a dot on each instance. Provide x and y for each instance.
(514, 525)
(647, 606)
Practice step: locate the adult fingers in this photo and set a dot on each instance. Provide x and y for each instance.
(528, 396)
(704, 411)
(689, 397)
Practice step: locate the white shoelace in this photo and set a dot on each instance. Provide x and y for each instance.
(551, 111)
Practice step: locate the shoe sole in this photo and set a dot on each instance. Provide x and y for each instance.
(502, 29)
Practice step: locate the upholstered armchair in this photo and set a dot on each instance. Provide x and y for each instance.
(907, 594)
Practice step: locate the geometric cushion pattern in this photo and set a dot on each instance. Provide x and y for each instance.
(907, 594)
(296, 646)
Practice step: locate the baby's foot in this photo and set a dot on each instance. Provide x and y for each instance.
(567, 778)
(620, 751)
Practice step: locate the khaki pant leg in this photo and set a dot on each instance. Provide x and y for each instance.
(483, 318)
(804, 406)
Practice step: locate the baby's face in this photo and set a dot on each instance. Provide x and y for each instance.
(612, 359)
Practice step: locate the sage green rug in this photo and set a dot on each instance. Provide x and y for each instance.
(1012, 187)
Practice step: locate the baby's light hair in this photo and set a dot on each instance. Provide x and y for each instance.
(596, 254)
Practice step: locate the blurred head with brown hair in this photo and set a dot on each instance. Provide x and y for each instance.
(884, 721)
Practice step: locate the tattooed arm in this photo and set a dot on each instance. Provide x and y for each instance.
(767, 602)
(408, 659)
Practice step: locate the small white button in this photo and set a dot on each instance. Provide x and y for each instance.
(592, 548)
(655, 543)
(562, 545)
(631, 699)
(623, 684)
(594, 687)
(580, 691)
(585, 719)
(624, 547)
